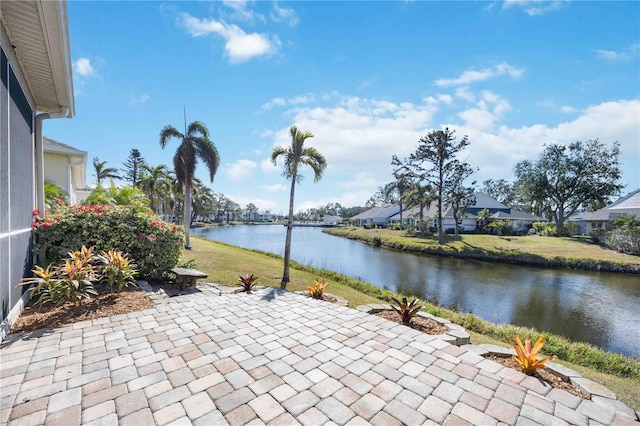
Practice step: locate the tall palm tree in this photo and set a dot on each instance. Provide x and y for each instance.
(194, 145)
(103, 172)
(421, 196)
(295, 156)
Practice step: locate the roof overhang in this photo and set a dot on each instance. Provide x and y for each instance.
(39, 34)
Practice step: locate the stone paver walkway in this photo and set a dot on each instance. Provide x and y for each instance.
(269, 357)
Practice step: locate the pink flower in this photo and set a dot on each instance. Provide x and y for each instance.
(152, 237)
(141, 237)
(36, 212)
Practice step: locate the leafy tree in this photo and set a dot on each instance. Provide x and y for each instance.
(566, 179)
(387, 194)
(133, 167)
(54, 195)
(295, 156)
(194, 145)
(103, 172)
(460, 197)
(434, 162)
(155, 183)
(501, 191)
(483, 219)
(252, 209)
(419, 195)
(123, 196)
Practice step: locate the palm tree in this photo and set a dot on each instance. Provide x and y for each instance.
(419, 195)
(194, 144)
(102, 172)
(155, 182)
(295, 156)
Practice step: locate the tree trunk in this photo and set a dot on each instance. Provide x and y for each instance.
(287, 244)
(187, 215)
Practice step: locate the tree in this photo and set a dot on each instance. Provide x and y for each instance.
(419, 195)
(460, 197)
(133, 167)
(501, 191)
(252, 210)
(103, 172)
(155, 182)
(194, 145)
(387, 194)
(566, 179)
(434, 161)
(295, 156)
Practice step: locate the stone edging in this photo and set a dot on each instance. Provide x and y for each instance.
(595, 391)
(456, 335)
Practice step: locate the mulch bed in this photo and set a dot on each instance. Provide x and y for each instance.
(425, 325)
(541, 374)
(105, 304)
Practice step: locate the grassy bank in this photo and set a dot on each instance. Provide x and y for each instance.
(224, 263)
(575, 253)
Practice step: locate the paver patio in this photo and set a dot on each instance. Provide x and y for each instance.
(269, 357)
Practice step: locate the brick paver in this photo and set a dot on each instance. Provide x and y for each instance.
(270, 357)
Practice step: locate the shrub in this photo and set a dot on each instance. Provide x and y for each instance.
(317, 289)
(624, 240)
(116, 268)
(377, 241)
(152, 244)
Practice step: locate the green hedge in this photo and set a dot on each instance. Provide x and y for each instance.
(153, 244)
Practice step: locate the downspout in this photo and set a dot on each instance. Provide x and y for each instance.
(70, 190)
(39, 156)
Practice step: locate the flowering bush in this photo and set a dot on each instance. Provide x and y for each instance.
(151, 243)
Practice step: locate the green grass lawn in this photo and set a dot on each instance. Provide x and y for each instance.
(224, 263)
(564, 249)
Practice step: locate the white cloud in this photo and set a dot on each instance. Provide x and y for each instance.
(240, 12)
(137, 100)
(83, 67)
(239, 46)
(472, 76)
(284, 14)
(611, 55)
(274, 102)
(358, 133)
(568, 109)
(497, 151)
(267, 166)
(241, 170)
(446, 99)
(275, 188)
(534, 7)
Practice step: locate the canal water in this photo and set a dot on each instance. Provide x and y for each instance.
(595, 307)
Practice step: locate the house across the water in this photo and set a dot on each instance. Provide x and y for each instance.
(629, 205)
(389, 215)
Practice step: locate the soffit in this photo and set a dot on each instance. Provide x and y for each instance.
(38, 32)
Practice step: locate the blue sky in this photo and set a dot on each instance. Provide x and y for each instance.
(368, 79)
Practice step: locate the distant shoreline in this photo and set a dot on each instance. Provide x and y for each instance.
(509, 256)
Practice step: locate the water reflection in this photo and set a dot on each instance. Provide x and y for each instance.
(600, 308)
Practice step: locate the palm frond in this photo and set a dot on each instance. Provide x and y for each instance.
(167, 133)
(208, 153)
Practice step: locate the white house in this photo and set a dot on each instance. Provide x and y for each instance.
(629, 205)
(410, 217)
(377, 216)
(36, 84)
(66, 166)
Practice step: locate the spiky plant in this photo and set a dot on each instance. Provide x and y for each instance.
(317, 289)
(406, 310)
(247, 282)
(527, 357)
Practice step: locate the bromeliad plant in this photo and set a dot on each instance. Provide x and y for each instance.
(317, 289)
(116, 268)
(406, 310)
(247, 283)
(527, 357)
